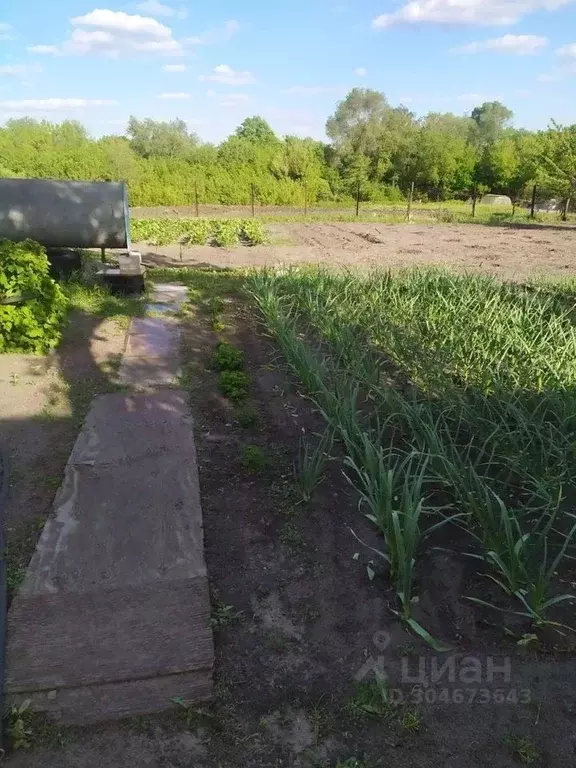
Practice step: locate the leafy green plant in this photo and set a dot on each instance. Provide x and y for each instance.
(20, 725)
(234, 385)
(253, 459)
(226, 233)
(247, 416)
(228, 357)
(223, 614)
(523, 748)
(32, 304)
(253, 232)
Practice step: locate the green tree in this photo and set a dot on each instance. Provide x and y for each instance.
(256, 130)
(157, 138)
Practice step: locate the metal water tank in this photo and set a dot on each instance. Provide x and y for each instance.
(65, 214)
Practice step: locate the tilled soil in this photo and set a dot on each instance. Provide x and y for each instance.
(507, 252)
(299, 623)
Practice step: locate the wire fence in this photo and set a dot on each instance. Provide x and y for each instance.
(536, 202)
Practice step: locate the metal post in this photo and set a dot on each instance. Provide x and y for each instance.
(196, 198)
(533, 206)
(358, 199)
(474, 195)
(410, 196)
(252, 197)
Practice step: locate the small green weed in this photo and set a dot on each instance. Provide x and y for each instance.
(223, 614)
(247, 416)
(371, 700)
(276, 641)
(234, 385)
(228, 357)
(411, 720)
(253, 459)
(291, 536)
(19, 722)
(523, 748)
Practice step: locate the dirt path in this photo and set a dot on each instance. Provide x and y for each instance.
(507, 252)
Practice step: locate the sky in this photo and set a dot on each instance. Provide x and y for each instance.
(214, 63)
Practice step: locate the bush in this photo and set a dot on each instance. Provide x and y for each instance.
(33, 322)
(253, 459)
(228, 357)
(234, 384)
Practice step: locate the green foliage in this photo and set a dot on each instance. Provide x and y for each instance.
(234, 385)
(383, 147)
(199, 231)
(228, 357)
(483, 409)
(253, 233)
(32, 305)
(20, 728)
(253, 459)
(226, 233)
(247, 416)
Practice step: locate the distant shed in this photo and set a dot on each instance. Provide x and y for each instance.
(496, 200)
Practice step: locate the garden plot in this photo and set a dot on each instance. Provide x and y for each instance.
(302, 384)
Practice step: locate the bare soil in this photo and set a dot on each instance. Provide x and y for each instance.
(507, 252)
(298, 622)
(42, 403)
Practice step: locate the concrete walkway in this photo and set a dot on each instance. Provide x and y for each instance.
(113, 618)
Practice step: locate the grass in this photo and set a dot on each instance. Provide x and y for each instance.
(455, 400)
(223, 614)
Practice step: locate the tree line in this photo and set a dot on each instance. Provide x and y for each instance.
(374, 148)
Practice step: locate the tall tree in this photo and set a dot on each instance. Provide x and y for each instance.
(257, 130)
(157, 138)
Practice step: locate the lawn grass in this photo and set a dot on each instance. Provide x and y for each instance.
(455, 399)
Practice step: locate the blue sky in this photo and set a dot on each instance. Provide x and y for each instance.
(214, 63)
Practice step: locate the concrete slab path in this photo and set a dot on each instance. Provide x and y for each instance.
(113, 617)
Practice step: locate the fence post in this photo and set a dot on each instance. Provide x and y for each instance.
(358, 198)
(252, 199)
(474, 196)
(410, 196)
(533, 205)
(196, 198)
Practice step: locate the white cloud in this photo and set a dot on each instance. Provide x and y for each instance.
(217, 35)
(313, 90)
(19, 70)
(225, 74)
(480, 12)
(53, 105)
(155, 8)
(5, 31)
(114, 33)
(360, 71)
(521, 45)
(406, 100)
(174, 67)
(178, 96)
(522, 92)
(567, 50)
